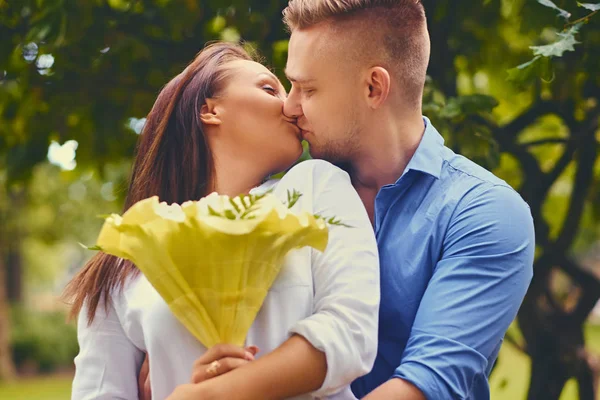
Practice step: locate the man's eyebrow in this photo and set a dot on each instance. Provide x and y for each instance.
(295, 79)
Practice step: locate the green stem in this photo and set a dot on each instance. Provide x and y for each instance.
(582, 19)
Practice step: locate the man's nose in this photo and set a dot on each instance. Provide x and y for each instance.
(291, 106)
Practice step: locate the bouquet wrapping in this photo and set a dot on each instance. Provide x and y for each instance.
(213, 260)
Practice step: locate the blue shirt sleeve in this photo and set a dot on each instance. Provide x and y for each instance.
(474, 294)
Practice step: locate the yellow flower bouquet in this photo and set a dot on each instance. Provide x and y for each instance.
(213, 260)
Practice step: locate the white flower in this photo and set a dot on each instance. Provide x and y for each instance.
(171, 212)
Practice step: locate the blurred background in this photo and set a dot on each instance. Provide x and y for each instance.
(513, 84)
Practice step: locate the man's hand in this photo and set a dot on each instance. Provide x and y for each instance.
(144, 391)
(395, 389)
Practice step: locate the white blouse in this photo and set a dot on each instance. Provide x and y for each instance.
(330, 298)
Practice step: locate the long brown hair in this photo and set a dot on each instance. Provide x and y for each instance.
(173, 161)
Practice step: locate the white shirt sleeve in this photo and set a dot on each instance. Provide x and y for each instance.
(108, 363)
(346, 280)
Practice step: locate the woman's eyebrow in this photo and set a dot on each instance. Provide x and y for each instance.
(270, 75)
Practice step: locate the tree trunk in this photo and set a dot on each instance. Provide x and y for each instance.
(7, 368)
(548, 377)
(587, 379)
(14, 274)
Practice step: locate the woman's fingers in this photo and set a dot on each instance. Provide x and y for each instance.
(203, 372)
(221, 359)
(253, 349)
(221, 351)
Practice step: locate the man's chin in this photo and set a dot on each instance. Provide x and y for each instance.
(319, 154)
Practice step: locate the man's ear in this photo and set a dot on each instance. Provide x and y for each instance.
(209, 114)
(378, 86)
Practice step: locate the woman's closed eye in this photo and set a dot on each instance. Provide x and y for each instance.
(270, 89)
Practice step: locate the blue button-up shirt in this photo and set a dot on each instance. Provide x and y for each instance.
(456, 250)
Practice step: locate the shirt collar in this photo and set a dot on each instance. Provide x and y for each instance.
(428, 158)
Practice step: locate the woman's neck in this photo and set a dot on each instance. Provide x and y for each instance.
(234, 177)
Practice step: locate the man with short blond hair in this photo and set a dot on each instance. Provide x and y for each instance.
(456, 243)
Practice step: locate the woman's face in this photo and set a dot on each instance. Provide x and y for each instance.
(250, 110)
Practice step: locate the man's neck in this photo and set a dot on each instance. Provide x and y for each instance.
(383, 159)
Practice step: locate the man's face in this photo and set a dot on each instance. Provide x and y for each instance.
(325, 95)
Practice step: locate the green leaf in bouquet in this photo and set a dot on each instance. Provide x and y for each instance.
(235, 206)
(292, 198)
(213, 273)
(93, 248)
(103, 216)
(229, 214)
(247, 214)
(211, 211)
(333, 221)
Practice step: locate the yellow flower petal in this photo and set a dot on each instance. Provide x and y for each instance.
(213, 272)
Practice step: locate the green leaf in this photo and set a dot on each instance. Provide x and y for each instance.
(247, 214)
(524, 72)
(211, 211)
(120, 5)
(470, 104)
(451, 110)
(292, 198)
(590, 6)
(566, 42)
(230, 214)
(245, 201)
(477, 103)
(94, 248)
(331, 221)
(234, 205)
(563, 13)
(538, 67)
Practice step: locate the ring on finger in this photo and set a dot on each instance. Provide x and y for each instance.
(213, 368)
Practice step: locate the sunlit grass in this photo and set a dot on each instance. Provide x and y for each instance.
(41, 388)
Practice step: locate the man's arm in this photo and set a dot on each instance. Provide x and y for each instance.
(396, 389)
(473, 296)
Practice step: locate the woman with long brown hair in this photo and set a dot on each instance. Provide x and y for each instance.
(219, 127)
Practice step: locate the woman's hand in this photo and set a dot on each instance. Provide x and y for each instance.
(216, 361)
(221, 359)
(186, 392)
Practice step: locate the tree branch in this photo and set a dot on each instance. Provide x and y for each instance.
(538, 109)
(542, 142)
(585, 279)
(530, 188)
(560, 166)
(588, 152)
